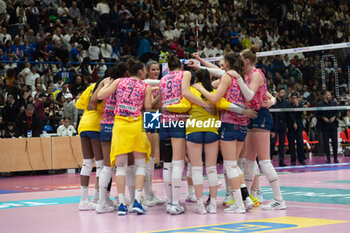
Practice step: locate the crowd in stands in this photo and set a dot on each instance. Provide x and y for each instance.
(83, 37)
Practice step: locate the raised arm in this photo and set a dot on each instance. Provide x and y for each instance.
(107, 89)
(220, 92)
(248, 92)
(204, 62)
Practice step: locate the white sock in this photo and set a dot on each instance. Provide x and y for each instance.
(138, 194)
(200, 200)
(271, 175)
(121, 197)
(190, 190)
(105, 177)
(130, 181)
(228, 185)
(212, 200)
(238, 197)
(167, 170)
(149, 176)
(254, 193)
(178, 167)
(84, 193)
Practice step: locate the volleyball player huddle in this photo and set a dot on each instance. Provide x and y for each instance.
(240, 105)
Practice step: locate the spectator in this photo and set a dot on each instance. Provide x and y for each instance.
(78, 86)
(327, 122)
(28, 123)
(74, 12)
(106, 51)
(10, 131)
(69, 109)
(279, 126)
(2, 127)
(40, 108)
(31, 77)
(66, 129)
(11, 109)
(295, 131)
(101, 68)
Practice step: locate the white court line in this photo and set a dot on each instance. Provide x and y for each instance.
(314, 165)
(318, 207)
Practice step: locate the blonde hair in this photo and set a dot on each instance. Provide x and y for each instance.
(251, 53)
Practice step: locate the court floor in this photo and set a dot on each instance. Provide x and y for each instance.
(317, 196)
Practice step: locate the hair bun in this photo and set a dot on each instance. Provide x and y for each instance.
(254, 48)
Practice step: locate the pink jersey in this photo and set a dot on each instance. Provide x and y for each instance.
(234, 95)
(260, 95)
(130, 95)
(108, 111)
(170, 87)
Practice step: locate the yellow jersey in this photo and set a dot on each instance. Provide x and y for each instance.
(206, 121)
(90, 120)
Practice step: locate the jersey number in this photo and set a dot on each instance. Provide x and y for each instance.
(169, 85)
(132, 89)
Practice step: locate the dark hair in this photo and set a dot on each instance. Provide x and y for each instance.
(173, 62)
(66, 118)
(294, 94)
(134, 66)
(279, 89)
(235, 61)
(119, 70)
(203, 76)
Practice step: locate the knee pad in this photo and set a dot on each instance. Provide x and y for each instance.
(166, 150)
(231, 170)
(249, 170)
(197, 175)
(241, 163)
(257, 170)
(177, 169)
(189, 170)
(140, 167)
(99, 167)
(122, 165)
(167, 170)
(87, 167)
(212, 176)
(268, 170)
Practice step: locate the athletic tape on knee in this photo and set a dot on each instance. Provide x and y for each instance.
(189, 170)
(231, 170)
(87, 167)
(249, 170)
(268, 170)
(197, 175)
(212, 176)
(140, 167)
(99, 167)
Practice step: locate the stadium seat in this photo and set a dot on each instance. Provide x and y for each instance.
(310, 145)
